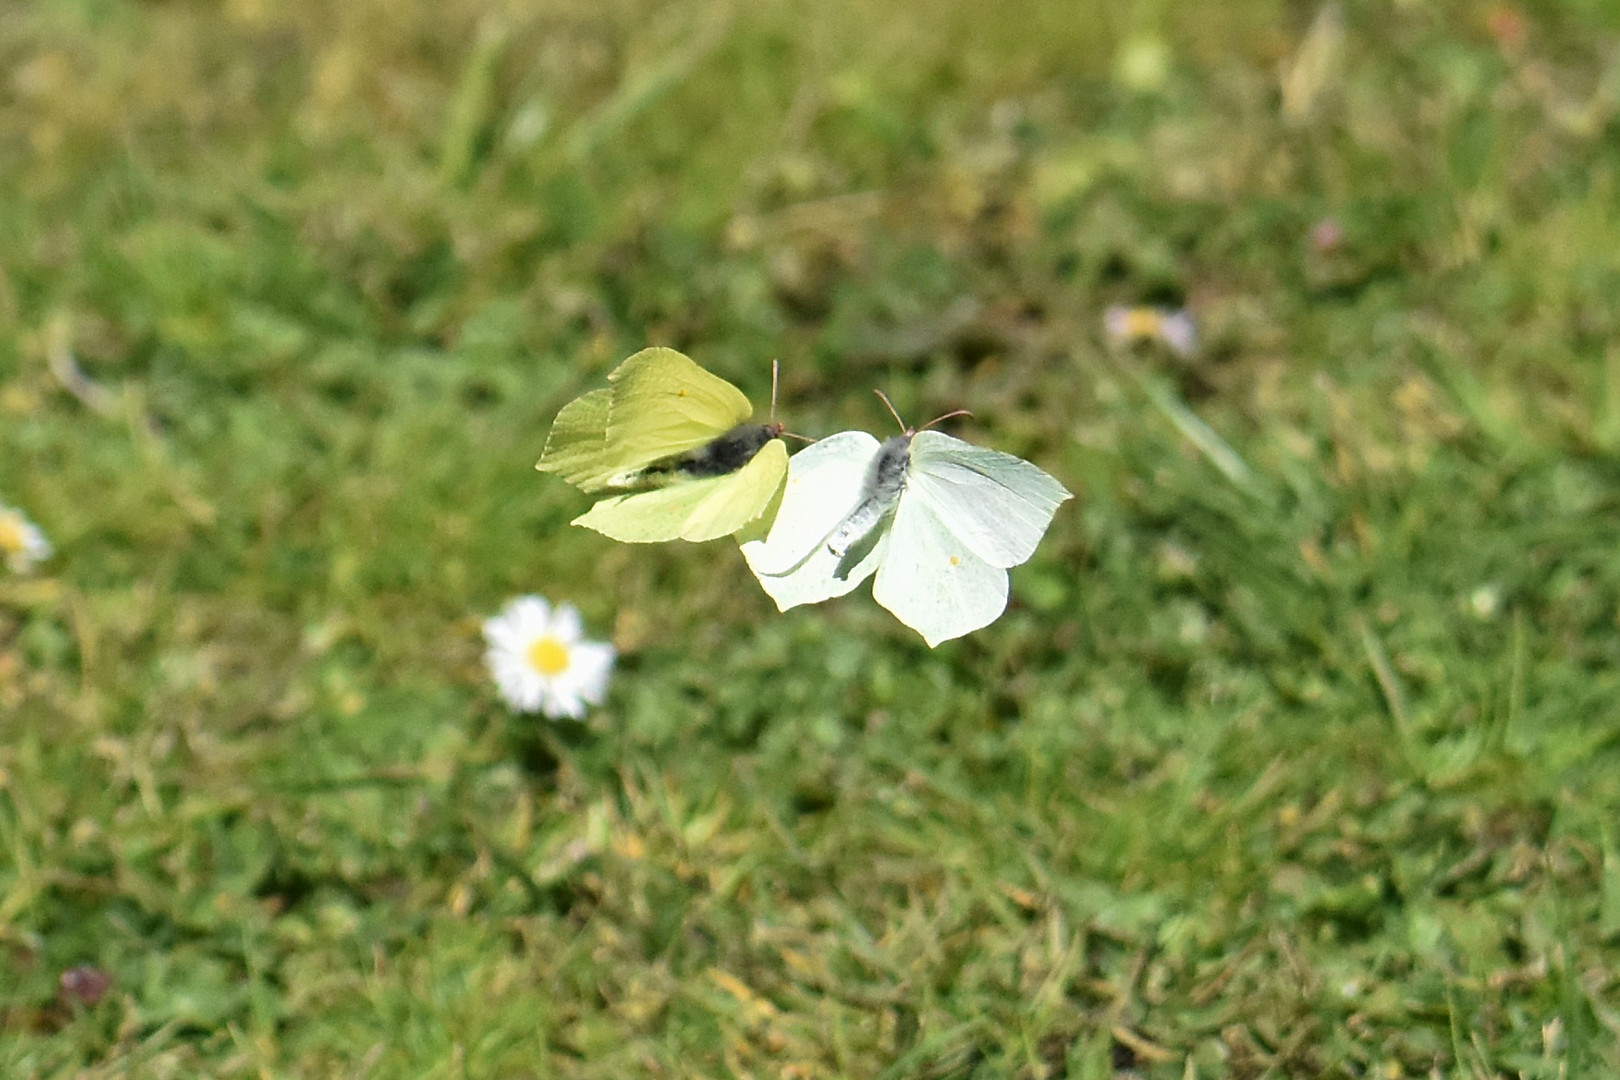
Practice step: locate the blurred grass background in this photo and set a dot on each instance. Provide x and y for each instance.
(1294, 756)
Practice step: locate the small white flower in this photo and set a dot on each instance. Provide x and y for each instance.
(1485, 602)
(21, 542)
(1171, 327)
(541, 662)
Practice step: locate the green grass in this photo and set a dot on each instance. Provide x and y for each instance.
(1296, 754)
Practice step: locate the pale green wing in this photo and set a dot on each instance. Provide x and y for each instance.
(824, 483)
(997, 504)
(664, 404)
(930, 579)
(576, 448)
(694, 510)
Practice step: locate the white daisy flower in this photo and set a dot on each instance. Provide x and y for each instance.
(21, 543)
(541, 662)
(1171, 327)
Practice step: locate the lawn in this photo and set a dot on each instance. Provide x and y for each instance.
(1296, 754)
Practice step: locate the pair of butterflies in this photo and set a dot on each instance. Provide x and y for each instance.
(938, 521)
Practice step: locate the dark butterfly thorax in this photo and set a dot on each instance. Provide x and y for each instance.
(730, 451)
(721, 456)
(888, 471)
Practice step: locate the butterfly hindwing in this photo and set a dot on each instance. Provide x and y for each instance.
(823, 485)
(930, 579)
(694, 510)
(576, 448)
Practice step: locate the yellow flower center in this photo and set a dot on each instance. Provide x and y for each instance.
(1141, 323)
(548, 656)
(11, 532)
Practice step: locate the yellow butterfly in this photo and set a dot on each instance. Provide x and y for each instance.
(674, 439)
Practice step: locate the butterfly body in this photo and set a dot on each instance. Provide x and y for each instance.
(725, 454)
(885, 479)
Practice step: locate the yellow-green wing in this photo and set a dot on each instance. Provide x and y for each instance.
(659, 404)
(576, 449)
(662, 404)
(761, 525)
(695, 510)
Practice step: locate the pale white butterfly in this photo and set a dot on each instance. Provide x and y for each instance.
(938, 520)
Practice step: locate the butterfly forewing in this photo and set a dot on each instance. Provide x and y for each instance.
(997, 504)
(663, 404)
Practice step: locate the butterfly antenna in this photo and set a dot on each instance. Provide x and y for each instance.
(947, 416)
(775, 425)
(892, 411)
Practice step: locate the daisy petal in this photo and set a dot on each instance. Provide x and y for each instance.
(566, 625)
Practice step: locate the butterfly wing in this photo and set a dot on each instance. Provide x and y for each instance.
(996, 504)
(663, 404)
(824, 483)
(929, 578)
(695, 510)
(658, 404)
(575, 449)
